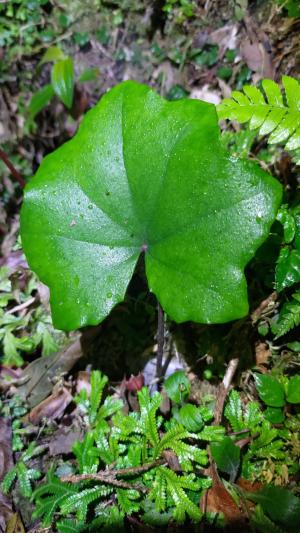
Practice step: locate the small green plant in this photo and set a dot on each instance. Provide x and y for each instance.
(271, 452)
(62, 81)
(19, 335)
(149, 464)
(125, 456)
(21, 473)
(180, 10)
(267, 111)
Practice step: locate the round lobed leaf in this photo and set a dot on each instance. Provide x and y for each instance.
(144, 175)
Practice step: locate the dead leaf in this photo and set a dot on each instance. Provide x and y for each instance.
(6, 510)
(262, 353)
(63, 439)
(42, 372)
(172, 460)
(225, 37)
(218, 500)
(135, 383)
(14, 524)
(257, 58)
(6, 458)
(83, 382)
(53, 407)
(249, 486)
(6, 463)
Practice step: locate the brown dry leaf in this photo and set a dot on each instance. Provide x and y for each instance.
(218, 500)
(41, 373)
(6, 463)
(63, 439)
(262, 353)
(53, 407)
(14, 524)
(172, 460)
(249, 486)
(6, 458)
(83, 382)
(225, 37)
(257, 58)
(6, 511)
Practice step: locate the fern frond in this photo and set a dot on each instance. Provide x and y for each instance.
(83, 451)
(50, 496)
(269, 114)
(107, 515)
(158, 491)
(175, 486)
(149, 407)
(289, 317)
(253, 415)
(80, 501)
(267, 435)
(70, 526)
(110, 406)
(171, 438)
(233, 411)
(127, 500)
(186, 453)
(8, 480)
(98, 382)
(108, 451)
(123, 425)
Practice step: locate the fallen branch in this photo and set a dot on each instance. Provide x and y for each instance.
(109, 477)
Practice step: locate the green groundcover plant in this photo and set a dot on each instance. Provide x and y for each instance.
(144, 175)
(151, 465)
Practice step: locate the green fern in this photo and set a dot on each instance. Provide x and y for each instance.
(268, 112)
(25, 476)
(86, 459)
(186, 453)
(128, 501)
(289, 316)
(149, 407)
(169, 483)
(70, 526)
(78, 503)
(233, 411)
(90, 404)
(50, 496)
(242, 418)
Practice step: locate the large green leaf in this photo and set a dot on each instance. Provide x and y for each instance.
(146, 175)
(280, 504)
(227, 456)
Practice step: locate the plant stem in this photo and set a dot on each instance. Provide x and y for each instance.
(160, 340)
(224, 388)
(14, 172)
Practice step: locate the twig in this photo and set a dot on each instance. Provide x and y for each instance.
(110, 476)
(104, 479)
(224, 388)
(14, 172)
(21, 306)
(269, 302)
(160, 340)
